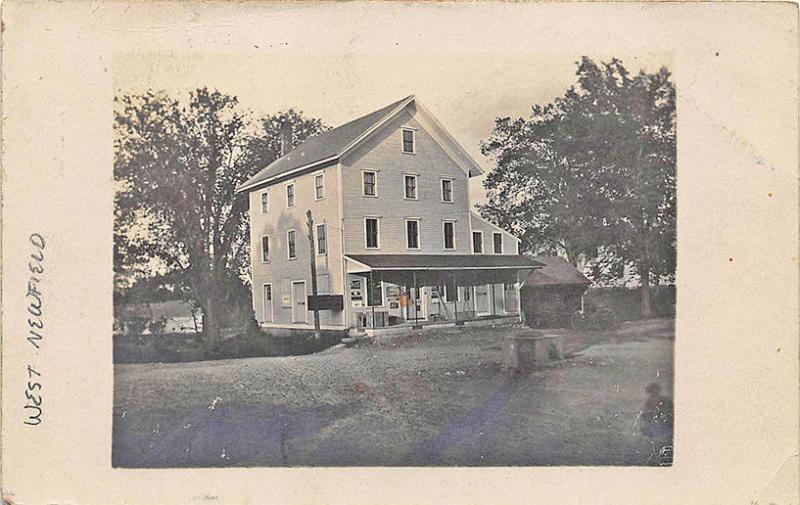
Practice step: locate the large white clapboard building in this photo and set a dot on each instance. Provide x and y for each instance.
(395, 239)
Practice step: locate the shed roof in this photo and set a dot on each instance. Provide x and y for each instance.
(556, 271)
(444, 261)
(437, 269)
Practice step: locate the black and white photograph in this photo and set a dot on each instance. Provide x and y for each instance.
(394, 268)
(399, 253)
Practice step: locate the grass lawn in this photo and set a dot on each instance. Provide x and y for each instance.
(439, 398)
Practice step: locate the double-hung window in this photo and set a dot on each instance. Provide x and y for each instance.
(369, 179)
(265, 248)
(371, 231)
(291, 244)
(322, 240)
(412, 233)
(449, 229)
(290, 195)
(447, 190)
(264, 202)
(408, 141)
(498, 243)
(410, 183)
(319, 186)
(477, 242)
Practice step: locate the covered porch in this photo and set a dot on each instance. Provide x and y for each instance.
(416, 290)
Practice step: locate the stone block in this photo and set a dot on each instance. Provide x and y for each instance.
(529, 349)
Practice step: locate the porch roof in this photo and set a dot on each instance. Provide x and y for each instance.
(437, 269)
(422, 262)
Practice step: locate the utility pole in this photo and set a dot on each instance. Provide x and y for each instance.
(313, 260)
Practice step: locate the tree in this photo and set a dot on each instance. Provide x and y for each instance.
(176, 168)
(592, 175)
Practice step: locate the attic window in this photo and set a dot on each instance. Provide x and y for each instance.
(408, 141)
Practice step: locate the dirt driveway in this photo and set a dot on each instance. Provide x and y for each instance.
(439, 399)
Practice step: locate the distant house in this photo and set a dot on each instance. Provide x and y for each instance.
(394, 236)
(552, 292)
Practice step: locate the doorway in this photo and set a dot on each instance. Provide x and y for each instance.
(267, 317)
(299, 312)
(483, 305)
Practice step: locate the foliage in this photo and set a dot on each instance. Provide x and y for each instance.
(624, 301)
(180, 347)
(592, 174)
(176, 167)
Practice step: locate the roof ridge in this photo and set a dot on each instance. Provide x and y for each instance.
(317, 144)
(392, 105)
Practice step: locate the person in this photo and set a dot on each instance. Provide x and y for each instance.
(656, 423)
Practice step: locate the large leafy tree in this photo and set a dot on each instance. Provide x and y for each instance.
(176, 169)
(592, 174)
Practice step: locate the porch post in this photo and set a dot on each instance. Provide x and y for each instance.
(370, 293)
(416, 312)
(519, 300)
(455, 303)
(472, 293)
(404, 312)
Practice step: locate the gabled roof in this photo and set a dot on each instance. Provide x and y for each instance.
(473, 214)
(329, 146)
(556, 271)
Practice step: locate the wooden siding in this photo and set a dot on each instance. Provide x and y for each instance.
(383, 154)
(281, 271)
(488, 229)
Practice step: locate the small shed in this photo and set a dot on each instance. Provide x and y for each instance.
(551, 294)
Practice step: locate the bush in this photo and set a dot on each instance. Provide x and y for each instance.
(167, 348)
(246, 345)
(551, 306)
(136, 325)
(626, 302)
(157, 326)
(180, 347)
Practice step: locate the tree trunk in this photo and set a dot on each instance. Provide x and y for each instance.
(572, 256)
(645, 292)
(211, 326)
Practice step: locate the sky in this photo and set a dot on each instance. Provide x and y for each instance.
(466, 90)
